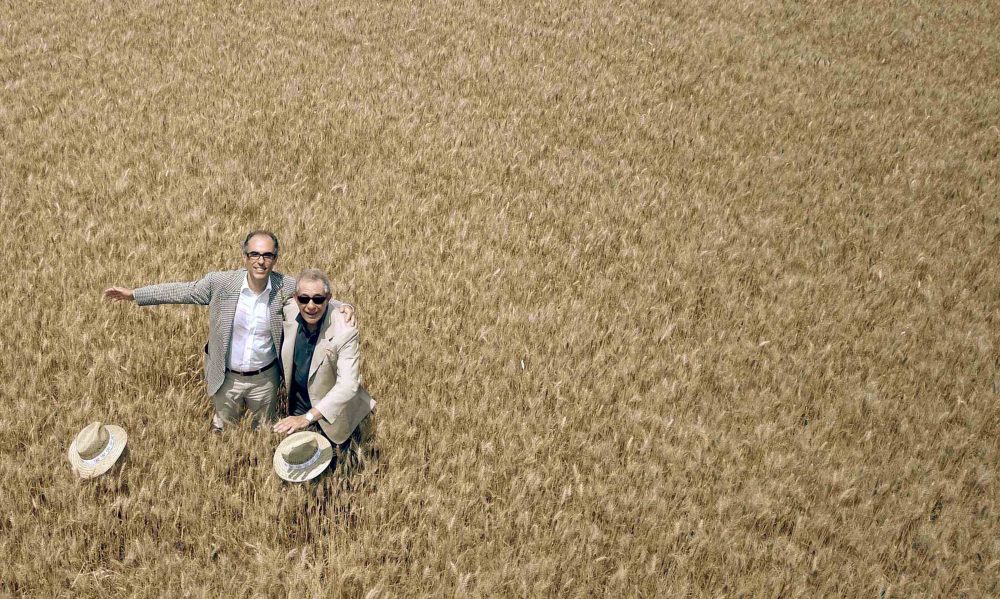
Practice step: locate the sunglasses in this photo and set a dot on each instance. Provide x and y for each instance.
(319, 300)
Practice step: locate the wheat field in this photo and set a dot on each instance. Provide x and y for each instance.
(658, 299)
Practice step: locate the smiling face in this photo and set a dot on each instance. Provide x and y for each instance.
(259, 257)
(314, 306)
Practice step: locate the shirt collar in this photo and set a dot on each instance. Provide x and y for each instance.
(305, 329)
(246, 285)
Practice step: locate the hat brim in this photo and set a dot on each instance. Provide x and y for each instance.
(292, 475)
(87, 469)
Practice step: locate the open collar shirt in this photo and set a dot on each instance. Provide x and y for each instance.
(252, 347)
(305, 346)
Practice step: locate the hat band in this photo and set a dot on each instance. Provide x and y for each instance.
(104, 453)
(307, 464)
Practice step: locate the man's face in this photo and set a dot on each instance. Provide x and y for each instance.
(259, 258)
(314, 306)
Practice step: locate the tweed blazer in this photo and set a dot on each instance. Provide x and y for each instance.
(220, 291)
(334, 374)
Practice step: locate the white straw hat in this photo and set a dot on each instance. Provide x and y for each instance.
(302, 456)
(96, 449)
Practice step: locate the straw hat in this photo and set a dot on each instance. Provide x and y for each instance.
(96, 449)
(302, 456)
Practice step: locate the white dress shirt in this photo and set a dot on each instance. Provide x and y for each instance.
(252, 347)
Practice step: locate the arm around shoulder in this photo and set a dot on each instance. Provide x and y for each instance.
(345, 309)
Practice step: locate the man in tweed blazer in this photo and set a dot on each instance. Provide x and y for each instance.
(244, 327)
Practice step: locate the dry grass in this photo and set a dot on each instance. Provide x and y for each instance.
(658, 299)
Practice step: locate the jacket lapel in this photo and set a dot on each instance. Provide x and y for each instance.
(230, 297)
(291, 327)
(274, 305)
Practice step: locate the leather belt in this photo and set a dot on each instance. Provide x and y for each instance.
(253, 372)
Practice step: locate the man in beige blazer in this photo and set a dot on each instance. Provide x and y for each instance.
(322, 366)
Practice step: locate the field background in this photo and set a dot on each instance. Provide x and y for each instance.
(658, 299)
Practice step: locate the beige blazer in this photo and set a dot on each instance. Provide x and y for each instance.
(334, 375)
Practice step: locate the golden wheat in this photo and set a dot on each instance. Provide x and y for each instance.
(657, 299)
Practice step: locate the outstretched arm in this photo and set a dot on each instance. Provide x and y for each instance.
(119, 294)
(193, 292)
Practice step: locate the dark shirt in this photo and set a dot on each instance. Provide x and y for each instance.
(305, 346)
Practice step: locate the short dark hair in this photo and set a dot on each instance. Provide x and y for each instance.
(257, 232)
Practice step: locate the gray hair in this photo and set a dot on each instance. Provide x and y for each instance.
(313, 274)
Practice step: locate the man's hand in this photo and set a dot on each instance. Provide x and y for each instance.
(119, 294)
(291, 424)
(348, 312)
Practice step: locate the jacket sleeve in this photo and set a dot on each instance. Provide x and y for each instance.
(336, 304)
(193, 292)
(348, 377)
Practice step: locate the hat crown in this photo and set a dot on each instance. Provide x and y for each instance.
(93, 439)
(300, 452)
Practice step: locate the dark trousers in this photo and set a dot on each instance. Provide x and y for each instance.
(362, 436)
